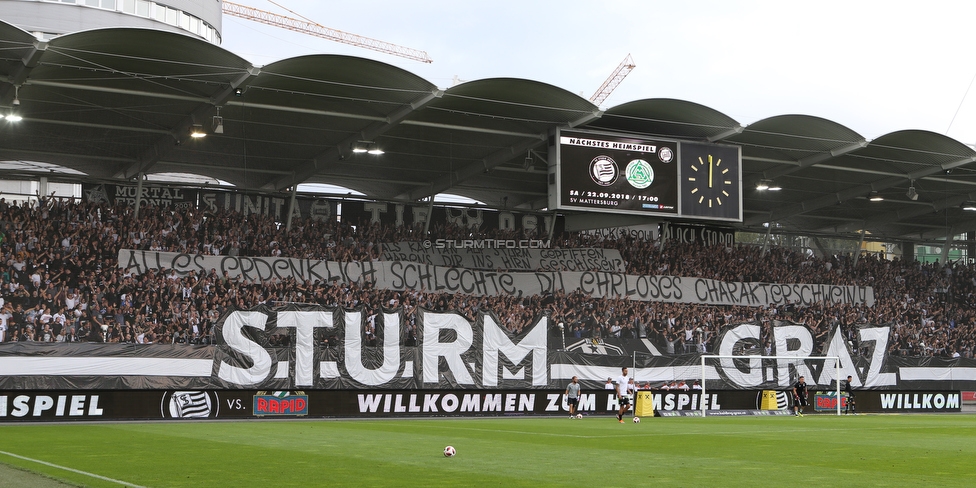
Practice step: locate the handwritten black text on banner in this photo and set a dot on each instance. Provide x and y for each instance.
(401, 275)
(508, 259)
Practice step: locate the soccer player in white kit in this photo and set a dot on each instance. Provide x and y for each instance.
(623, 393)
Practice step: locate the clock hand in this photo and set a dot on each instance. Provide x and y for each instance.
(709, 170)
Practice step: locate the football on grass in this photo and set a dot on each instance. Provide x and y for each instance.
(449, 451)
(579, 415)
(636, 420)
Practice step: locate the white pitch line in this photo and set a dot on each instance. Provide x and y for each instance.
(73, 470)
(665, 434)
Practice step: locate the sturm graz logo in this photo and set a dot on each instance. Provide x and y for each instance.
(603, 170)
(665, 154)
(189, 405)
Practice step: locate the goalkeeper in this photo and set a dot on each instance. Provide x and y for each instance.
(849, 389)
(799, 397)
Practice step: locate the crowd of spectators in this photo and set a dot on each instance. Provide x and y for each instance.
(61, 283)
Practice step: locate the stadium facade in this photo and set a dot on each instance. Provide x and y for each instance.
(49, 18)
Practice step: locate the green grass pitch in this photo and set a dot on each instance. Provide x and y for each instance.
(815, 450)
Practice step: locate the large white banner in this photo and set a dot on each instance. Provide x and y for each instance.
(403, 275)
(451, 352)
(506, 254)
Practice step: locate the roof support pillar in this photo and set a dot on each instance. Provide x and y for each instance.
(908, 251)
(769, 231)
(944, 258)
(823, 252)
(860, 245)
(552, 225)
(41, 187)
(970, 246)
(291, 207)
(139, 193)
(430, 212)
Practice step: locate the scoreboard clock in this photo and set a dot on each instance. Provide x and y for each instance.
(711, 181)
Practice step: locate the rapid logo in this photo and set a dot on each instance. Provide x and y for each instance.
(189, 405)
(828, 401)
(281, 403)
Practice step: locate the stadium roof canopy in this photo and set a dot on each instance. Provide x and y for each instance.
(116, 103)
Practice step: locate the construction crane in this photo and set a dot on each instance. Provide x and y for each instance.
(309, 27)
(613, 81)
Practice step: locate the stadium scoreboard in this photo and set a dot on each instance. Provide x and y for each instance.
(636, 175)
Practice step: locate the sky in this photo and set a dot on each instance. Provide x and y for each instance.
(873, 66)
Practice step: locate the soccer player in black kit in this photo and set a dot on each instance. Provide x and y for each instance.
(849, 389)
(799, 396)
